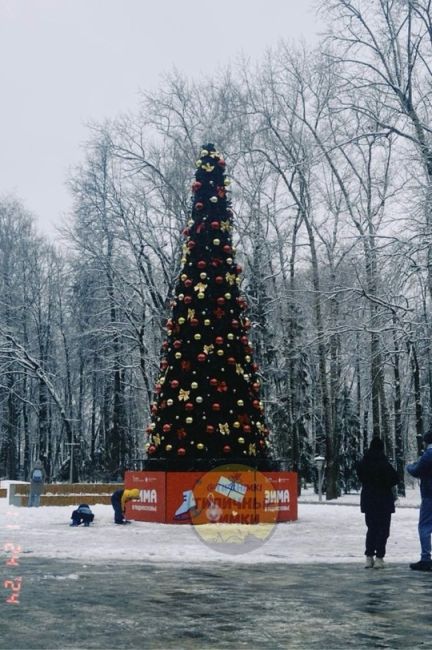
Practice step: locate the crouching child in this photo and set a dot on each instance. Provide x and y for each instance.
(82, 515)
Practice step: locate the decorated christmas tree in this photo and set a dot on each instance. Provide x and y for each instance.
(207, 403)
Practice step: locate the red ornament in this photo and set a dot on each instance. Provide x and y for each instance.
(210, 428)
(188, 282)
(189, 406)
(154, 409)
(185, 366)
(227, 248)
(165, 345)
(219, 279)
(166, 428)
(220, 300)
(188, 300)
(247, 323)
(219, 340)
(174, 383)
(235, 323)
(199, 205)
(215, 225)
(246, 428)
(219, 312)
(213, 381)
(221, 162)
(186, 232)
(216, 406)
(196, 185)
(201, 357)
(151, 449)
(231, 361)
(201, 264)
(244, 340)
(181, 451)
(256, 386)
(164, 364)
(239, 269)
(256, 404)
(261, 442)
(221, 192)
(177, 344)
(255, 367)
(158, 388)
(226, 449)
(194, 322)
(191, 244)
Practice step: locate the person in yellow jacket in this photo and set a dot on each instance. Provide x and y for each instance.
(119, 499)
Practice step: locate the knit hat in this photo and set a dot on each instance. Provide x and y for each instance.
(134, 493)
(428, 437)
(376, 444)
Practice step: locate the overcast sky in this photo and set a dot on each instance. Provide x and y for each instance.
(68, 62)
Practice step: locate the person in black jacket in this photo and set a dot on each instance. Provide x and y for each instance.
(377, 477)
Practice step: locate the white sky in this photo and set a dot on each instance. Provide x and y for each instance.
(68, 62)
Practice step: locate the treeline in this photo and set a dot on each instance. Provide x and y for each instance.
(330, 153)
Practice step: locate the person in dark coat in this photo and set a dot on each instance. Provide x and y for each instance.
(377, 477)
(422, 469)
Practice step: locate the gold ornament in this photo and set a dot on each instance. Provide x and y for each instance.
(203, 275)
(199, 399)
(194, 385)
(227, 182)
(190, 314)
(213, 199)
(216, 242)
(252, 450)
(203, 153)
(247, 358)
(240, 402)
(183, 395)
(197, 336)
(189, 420)
(230, 336)
(183, 260)
(201, 296)
(225, 226)
(168, 447)
(236, 424)
(220, 353)
(228, 296)
(200, 446)
(181, 320)
(183, 277)
(230, 278)
(178, 355)
(201, 287)
(198, 163)
(239, 369)
(207, 322)
(170, 402)
(208, 349)
(207, 167)
(224, 428)
(241, 441)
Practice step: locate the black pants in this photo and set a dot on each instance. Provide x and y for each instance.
(378, 531)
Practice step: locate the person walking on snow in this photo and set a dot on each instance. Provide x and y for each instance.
(119, 499)
(377, 477)
(422, 469)
(37, 482)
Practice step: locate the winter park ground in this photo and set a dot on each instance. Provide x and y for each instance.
(158, 586)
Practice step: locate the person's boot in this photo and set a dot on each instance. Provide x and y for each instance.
(379, 563)
(188, 503)
(369, 562)
(422, 565)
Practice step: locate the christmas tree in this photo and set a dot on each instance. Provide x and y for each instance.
(207, 403)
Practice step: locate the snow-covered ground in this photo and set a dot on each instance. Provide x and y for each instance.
(324, 532)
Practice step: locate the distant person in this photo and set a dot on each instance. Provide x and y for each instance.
(377, 477)
(82, 515)
(37, 484)
(119, 499)
(422, 469)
